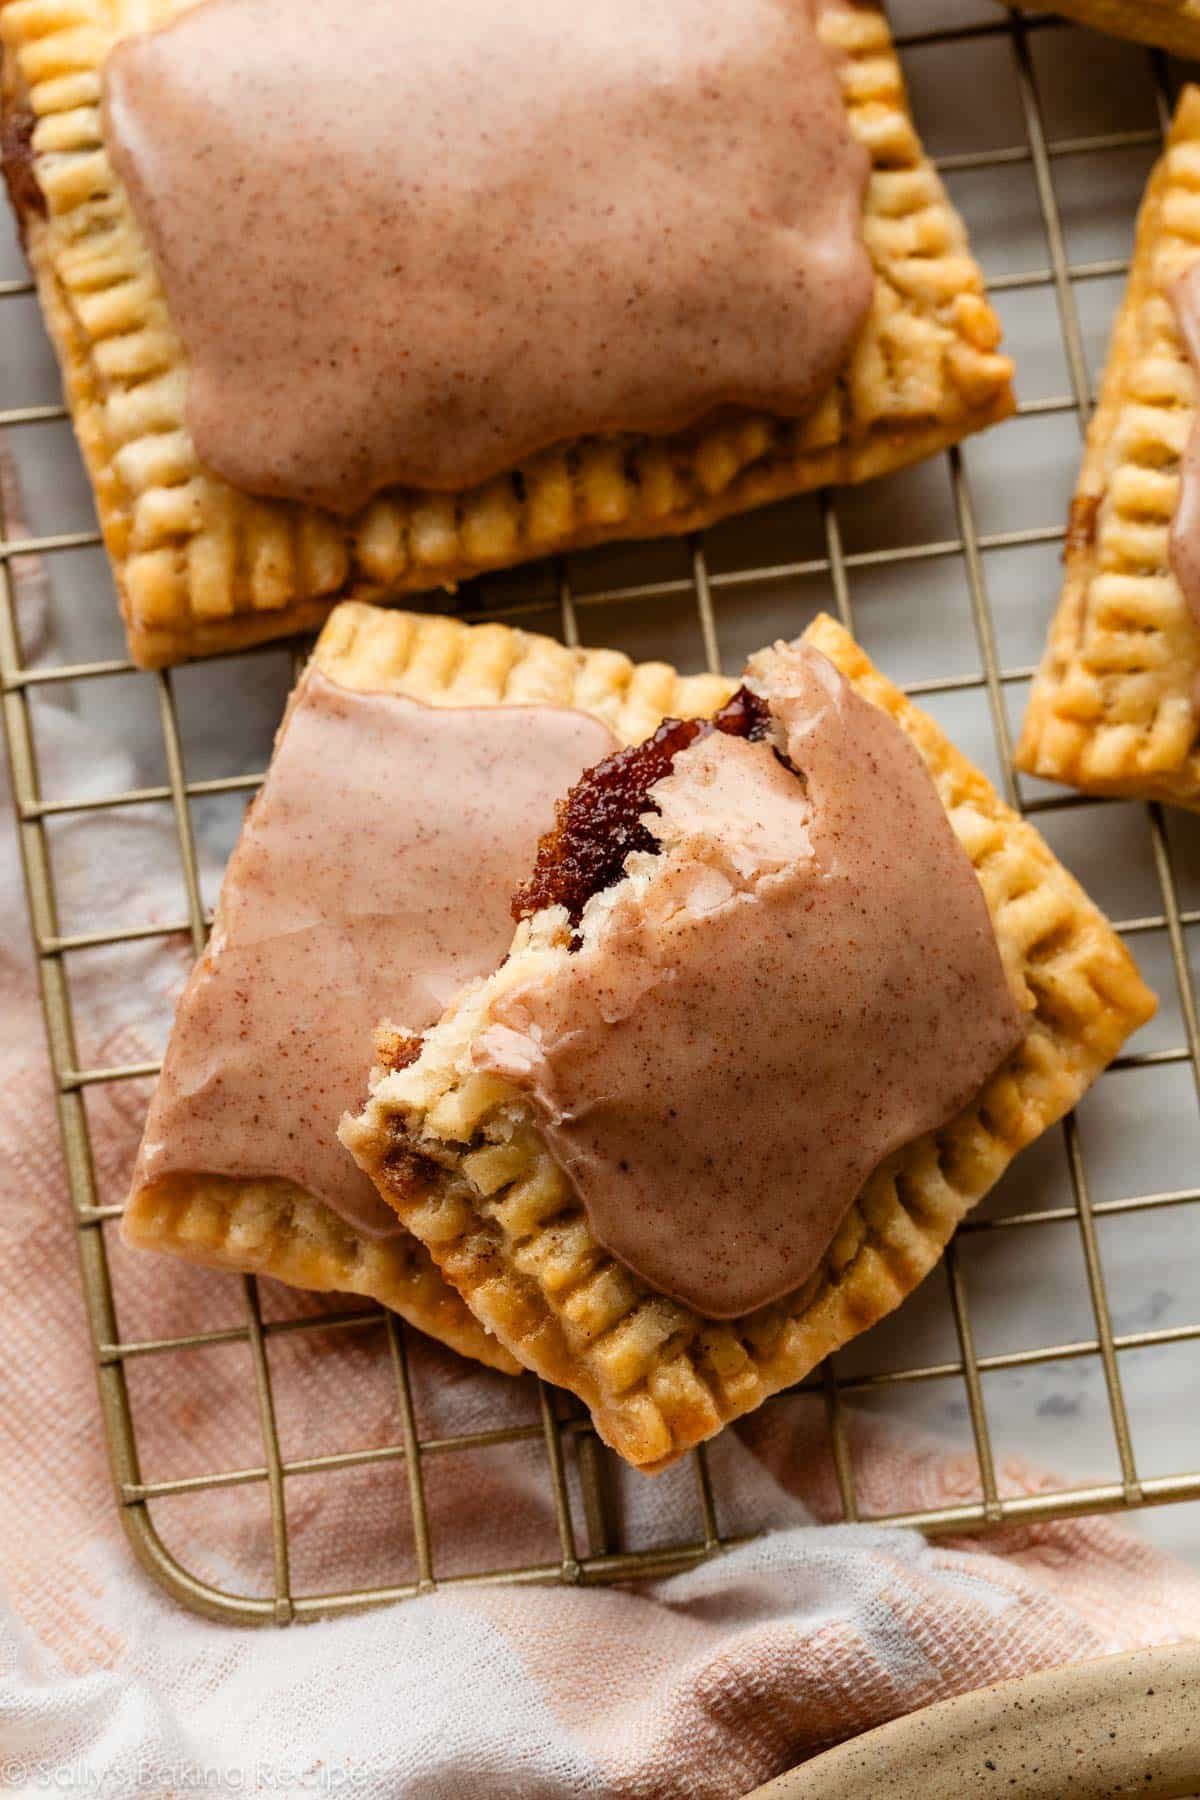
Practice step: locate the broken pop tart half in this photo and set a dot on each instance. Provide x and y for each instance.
(790, 988)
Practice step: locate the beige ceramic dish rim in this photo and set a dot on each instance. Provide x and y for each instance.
(1122, 1725)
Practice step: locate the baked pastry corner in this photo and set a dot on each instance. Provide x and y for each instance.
(1113, 708)
(506, 1228)
(201, 567)
(273, 1227)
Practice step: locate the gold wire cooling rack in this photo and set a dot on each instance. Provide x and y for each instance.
(590, 1547)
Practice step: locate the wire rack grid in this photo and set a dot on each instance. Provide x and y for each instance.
(589, 1533)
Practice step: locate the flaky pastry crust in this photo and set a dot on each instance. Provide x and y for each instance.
(1113, 705)
(273, 1227)
(201, 567)
(504, 1225)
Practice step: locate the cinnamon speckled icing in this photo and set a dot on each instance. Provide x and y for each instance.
(408, 243)
(1184, 539)
(804, 978)
(372, 878)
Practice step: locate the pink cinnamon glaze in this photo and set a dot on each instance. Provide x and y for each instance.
(371, 880)
(1183, 544)
(415, 243)
(809, 980)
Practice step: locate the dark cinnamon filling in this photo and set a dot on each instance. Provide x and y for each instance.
(16, 159)
(599, 823)
(410, 1176)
